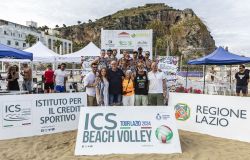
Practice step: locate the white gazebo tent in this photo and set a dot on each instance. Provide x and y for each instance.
(42, 54)
(90, 50)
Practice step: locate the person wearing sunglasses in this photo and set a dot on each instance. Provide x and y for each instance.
(242, 79)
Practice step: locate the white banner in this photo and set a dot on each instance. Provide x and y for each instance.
(220, 116)
(127, 130)
(127, 39)
(169, 65)
(38, 114)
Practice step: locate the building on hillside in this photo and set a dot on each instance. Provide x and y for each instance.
(15, 35)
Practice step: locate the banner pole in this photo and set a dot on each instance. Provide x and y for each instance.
(204, 76)
(230, 80)
(186, 76)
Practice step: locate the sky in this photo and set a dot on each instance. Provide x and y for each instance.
(227, 20)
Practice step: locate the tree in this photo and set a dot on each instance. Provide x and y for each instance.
(57, 26)
(159, 37)
(43, 28)
(30, 39)
(64, 26)
(79, 22)
(90, 21)
(58, 43)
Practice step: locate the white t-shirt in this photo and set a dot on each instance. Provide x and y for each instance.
(155, 82)
(60, 75)
(90, 79)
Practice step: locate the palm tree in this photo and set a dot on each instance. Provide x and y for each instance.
(30, 39)
(58, 43)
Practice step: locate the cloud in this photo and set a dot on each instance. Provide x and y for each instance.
(228, 20)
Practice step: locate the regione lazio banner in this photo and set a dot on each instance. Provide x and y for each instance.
(38, 114)
(220, 116)
(127, 130)
(127, 39)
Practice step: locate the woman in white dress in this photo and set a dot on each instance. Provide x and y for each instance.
(102, 88)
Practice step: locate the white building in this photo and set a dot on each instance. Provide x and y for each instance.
(14, 35)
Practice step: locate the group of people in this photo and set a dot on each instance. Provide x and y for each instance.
(13, 76)
(127, 81)
(54, 81)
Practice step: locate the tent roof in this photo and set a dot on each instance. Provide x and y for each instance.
(220, 57)
(90, 50)
(41, 53)
(9, 52)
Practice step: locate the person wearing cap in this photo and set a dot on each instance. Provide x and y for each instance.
(157, 86)
(48, 80)
(128, 93)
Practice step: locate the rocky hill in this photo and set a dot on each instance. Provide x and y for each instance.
(179, 31)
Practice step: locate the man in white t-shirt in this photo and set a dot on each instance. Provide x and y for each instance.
(90, 84)
(157, 86)
(60, 78)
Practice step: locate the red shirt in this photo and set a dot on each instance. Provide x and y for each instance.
(48, 75)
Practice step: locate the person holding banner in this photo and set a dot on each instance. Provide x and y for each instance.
(90, 83)
(102, 88)
(115, 76)
(157, 86)
(141, 86)
(242, 79)
(128, 93)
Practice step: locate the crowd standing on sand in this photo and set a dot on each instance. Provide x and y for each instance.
(128, 81)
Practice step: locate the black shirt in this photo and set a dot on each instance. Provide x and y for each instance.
(141, 84)
(115, 81)
(242, 78)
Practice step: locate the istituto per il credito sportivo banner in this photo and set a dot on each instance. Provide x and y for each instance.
(38, 114)
(127, 130)
(220, 116)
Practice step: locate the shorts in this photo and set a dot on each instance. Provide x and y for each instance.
(48, 86)
(241, 88)
(60, 88)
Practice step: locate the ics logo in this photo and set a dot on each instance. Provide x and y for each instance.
(182, 112)
(164, 134)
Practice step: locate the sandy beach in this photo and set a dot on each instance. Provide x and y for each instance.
(61, 147)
